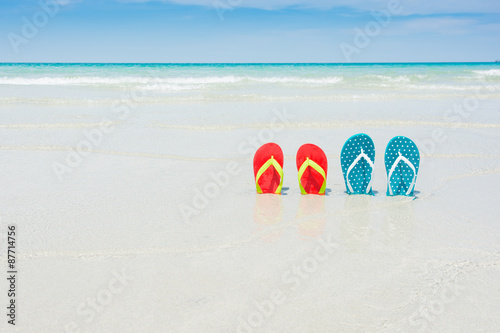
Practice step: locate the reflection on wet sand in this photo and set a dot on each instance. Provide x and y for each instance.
(399, 221)
(355, 224)
(311, 216)
(268, 213)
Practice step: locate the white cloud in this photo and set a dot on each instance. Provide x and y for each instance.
(438, 25)
(409, 6)
(67, 2)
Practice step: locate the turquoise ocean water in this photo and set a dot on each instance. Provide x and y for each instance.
(101, 83)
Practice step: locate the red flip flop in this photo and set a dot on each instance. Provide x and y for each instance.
(268, 169)
(312, 166)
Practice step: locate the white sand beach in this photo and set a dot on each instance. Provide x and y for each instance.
(141, 215)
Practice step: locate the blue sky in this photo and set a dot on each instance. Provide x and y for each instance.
(249, 31)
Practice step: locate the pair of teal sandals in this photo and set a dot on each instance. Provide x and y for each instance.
(402, 160)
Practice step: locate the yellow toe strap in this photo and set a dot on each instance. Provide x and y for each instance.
(263, 169)
(316, 167)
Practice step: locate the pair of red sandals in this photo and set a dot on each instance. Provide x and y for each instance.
(312, 166)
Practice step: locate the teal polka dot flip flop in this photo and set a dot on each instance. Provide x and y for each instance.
(357, 159)
(402, 160)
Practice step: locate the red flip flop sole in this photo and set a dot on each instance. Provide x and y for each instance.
(270, 179)
(311, 179)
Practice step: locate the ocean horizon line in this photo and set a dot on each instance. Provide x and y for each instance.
(256, 63)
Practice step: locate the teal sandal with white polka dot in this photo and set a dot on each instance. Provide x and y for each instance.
(357, 159)
(402, 160)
